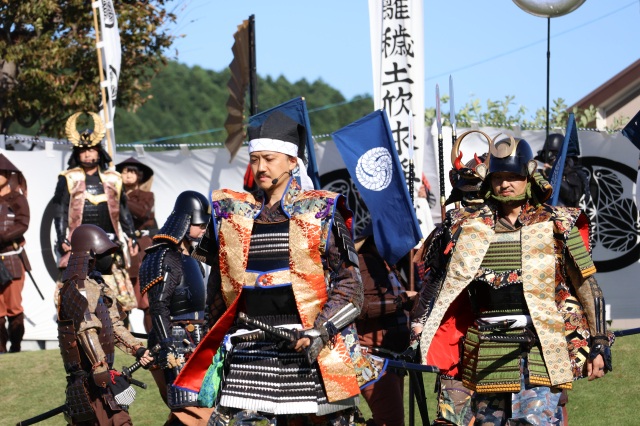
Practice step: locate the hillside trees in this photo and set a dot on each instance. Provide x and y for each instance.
(48, 59)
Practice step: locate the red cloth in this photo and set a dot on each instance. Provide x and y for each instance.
(444, 351)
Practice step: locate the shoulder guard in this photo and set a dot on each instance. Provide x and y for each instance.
(73, 304)
(112, 177)
(226, 202)
(72, 176)
(152, 268)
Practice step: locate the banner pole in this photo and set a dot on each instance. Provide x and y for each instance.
(95, 6)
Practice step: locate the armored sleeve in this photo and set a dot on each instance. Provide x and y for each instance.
(140, 205)
(580, 271)
(18, 204)
(90, 326)
(126, 220)
(160, 294)
(378, 301)
(343, 274)
(60, 202)
(435, 259)
(124, 340)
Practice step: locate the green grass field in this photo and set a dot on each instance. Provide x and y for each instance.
(34, 382)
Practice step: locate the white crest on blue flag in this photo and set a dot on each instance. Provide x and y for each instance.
(374, 170)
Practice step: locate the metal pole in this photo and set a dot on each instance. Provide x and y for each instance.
(548, 67)
(253, 79)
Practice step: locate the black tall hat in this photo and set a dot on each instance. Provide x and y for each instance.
(279, 133)
(147, 172)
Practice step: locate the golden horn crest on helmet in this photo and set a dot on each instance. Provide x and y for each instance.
(88, 138)
(456, 155)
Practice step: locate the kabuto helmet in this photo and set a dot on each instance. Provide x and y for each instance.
(551, 148)
(465, 182)
(513, 155)
(87, 242)
(88, 138)
(190, 208)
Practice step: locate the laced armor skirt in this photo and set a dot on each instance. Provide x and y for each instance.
(267, 376)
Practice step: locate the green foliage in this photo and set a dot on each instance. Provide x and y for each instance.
(499, 113)
(186, 100)
(49, 62)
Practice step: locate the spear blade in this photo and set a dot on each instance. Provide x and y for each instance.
(452, 110)
(438, 117)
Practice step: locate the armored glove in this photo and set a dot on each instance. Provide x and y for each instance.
(600, 345)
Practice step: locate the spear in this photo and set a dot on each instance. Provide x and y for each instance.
(452, 119)
(440, 153)
(452, 112)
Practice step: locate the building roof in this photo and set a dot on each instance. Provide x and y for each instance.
(616, 92)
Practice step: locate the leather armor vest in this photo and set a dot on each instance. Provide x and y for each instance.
(7, 218)
(189, 296)
(96, 209)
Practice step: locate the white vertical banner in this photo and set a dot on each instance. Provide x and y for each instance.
(397, 53)
(111, 53)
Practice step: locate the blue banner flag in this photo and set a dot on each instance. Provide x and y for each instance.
(295, 109)
(570, 144)
(632, 130)
(369, 152)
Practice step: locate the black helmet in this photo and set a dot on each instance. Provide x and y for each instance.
(515, 156)
(191, 208)
(91, 238)
(552, 146)
(511, 155)
(193, 204)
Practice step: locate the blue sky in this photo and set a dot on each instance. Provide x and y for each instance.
(491, 48)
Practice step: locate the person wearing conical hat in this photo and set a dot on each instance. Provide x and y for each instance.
(137, 179)
(14, 222)
(89, 193)
(508, 276)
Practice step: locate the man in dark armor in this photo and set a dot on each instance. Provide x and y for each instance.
(14, 222)
(174, 283)
(575, 178)
(514, 278)
(90, 324)
(283, 256)
(88, 193)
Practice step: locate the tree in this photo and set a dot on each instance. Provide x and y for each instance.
(498, 113)
(48, 58)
